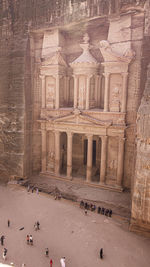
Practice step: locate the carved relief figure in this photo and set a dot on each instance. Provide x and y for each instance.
(115, 103)
(50, 92)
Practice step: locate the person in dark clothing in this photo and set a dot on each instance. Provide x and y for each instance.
(103, 211)
(106, 212)
(101, 253)
(2, 240)
(46, 252)
(81, 204)
(38, 225)
(110, 213)
(8, 222)
(99, 210)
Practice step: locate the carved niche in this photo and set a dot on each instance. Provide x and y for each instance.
(50, 91)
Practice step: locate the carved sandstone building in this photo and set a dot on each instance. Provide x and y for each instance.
(72, 78)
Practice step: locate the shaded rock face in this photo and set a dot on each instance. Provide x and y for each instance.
(141, 195)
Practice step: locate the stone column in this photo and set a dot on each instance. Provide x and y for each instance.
(69, 154)
(57, 92)
(96, 89)
(43, 150)
(106, 94)
(57, 152)
(103, 164)
(89, 158)
(43, 93)
(75, 91)
(88, 92)
(120, 161)
(124, 92)
(67, 79)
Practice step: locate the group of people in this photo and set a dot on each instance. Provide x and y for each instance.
(29, 240)
(86, 206)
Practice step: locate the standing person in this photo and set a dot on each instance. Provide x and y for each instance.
(51, 263)
(38, 225)
(31, 239)
(62, 262)
(28, 239)
(46, 252)
(2, 240)
(37, 191)
(23, 265)
(8, 222)
(101, 253)
(4, 253)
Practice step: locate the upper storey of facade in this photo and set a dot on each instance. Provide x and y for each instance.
(84, 73)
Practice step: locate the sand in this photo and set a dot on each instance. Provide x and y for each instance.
(66, 231)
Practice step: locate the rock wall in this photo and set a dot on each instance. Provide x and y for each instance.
(141, 196)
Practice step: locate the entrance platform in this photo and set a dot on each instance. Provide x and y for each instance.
(119, 202)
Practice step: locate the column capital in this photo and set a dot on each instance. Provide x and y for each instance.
(125, 74)
(42, 77)
(69, 134)
(103, 137)
(106, 74)
(89, 136)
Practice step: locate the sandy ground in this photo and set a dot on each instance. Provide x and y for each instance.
(66, 231)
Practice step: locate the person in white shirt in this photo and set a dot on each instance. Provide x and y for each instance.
(62, 262)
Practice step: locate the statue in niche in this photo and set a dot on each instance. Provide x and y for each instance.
(113, 164)
(115, 103)
(50, 95)
(51, 157)
(82, 97)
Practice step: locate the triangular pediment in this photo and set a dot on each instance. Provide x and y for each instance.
(79, 118)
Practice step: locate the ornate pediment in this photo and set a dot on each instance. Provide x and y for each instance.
(56, 59)
(77, 117)
(112, 56)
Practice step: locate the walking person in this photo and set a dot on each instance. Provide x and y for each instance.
(2, 240)
(27, 239)
(8, 222)
(51, 263)
(46, 252)
(62, 262)
(101, 255)
(31, 240)
(4, 253)
(38, 225)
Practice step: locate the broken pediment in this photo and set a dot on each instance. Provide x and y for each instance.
(110, 55)
(79, 118)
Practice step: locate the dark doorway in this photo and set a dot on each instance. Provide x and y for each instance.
(94, 153)
(85, 151)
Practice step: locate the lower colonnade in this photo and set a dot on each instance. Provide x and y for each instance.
(102, 161)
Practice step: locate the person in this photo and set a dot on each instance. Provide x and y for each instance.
(4, 253)
(37, 191)
(62, 262)
(2, 240)
(28, 190)
(51, 262)
(8, 222)
(81, 204)
(38, 225)
(110, 213)
(101, 253)
(31, 239)
(99, 210)
(28, 239)
(46, 252)
(23, 265)
(35, 226)
(85, 211)
(32, 189)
